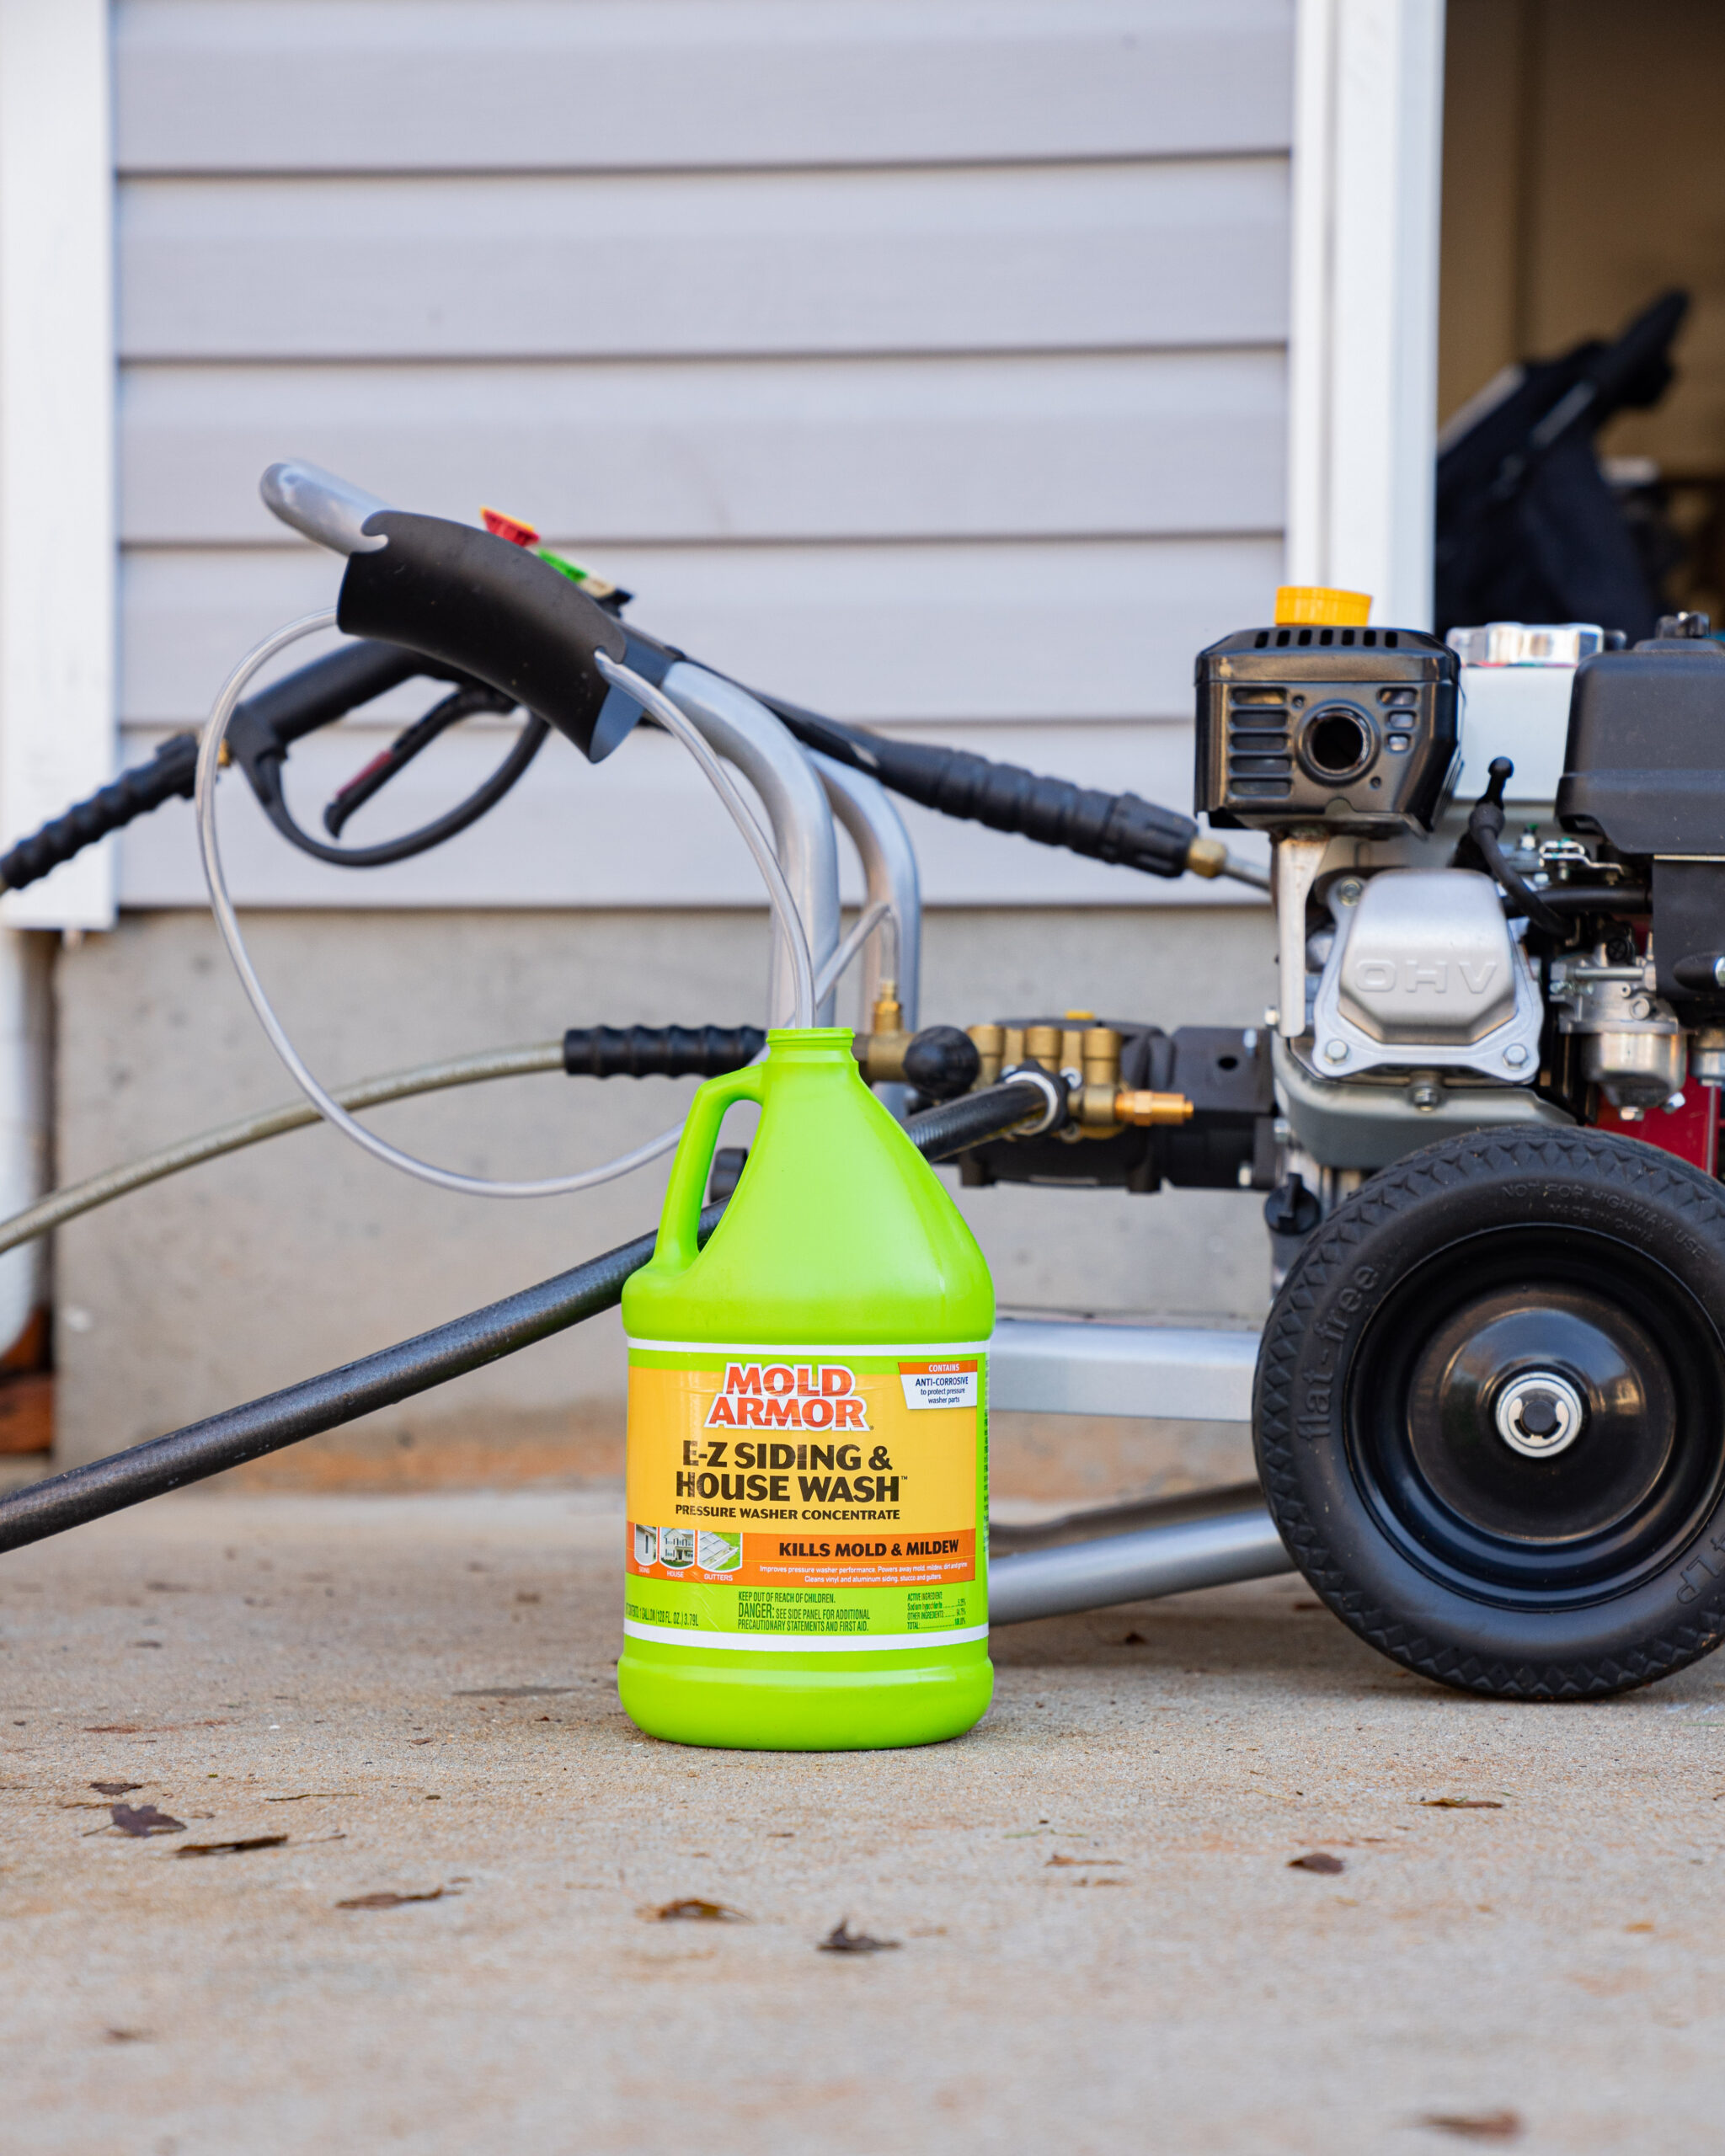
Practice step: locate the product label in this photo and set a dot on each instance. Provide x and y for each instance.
(809, 1498)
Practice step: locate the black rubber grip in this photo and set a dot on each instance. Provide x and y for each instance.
(496, 612)
(660, 1051)
(171, 771)
(1118, 828)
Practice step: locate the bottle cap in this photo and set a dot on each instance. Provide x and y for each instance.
(1320, 606)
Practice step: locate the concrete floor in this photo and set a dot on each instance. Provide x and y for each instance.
(418, 1692)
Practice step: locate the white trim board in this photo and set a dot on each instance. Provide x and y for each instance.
(1364, 335)
(56, 441)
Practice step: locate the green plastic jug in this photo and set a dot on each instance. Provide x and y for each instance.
(807, 1446)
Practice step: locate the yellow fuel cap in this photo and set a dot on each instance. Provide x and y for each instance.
(1319, 606)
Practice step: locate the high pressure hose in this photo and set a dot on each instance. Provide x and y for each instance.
(599, 1052)
(60, 1206)
(395, 1373)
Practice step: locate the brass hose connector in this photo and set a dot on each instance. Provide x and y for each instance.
(1131, 1106)
(888, 1015)
(881, 1054)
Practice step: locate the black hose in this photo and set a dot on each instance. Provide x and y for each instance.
(1595, 898)
(322, 1402)
(1484, 823)
(171, 771)
(1523, 898)
(956, 1125)
(1120, 829)
(414, 1366)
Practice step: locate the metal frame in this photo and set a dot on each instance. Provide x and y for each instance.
(1042, 1365)
(746, 733)
(877, 830)
(1064, 1366)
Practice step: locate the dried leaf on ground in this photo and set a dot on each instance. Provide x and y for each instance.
(143, 1819)
(304, 1796)
(841, 1940)
(115, 1788)
(692, 1910)
(1476, 2126)
(1059, 1859)
(1317, 1860)
(231, 1849)
(387, 1900)
(1461, 1804)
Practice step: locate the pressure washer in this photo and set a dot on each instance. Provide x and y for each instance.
(1488, 1405)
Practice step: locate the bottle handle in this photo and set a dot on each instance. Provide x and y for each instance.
(679, 1226)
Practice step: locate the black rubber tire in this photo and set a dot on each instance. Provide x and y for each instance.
(1351, 1304)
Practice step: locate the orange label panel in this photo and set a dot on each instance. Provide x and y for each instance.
(747, 1560)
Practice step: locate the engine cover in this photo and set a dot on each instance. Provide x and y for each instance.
(1424, 972)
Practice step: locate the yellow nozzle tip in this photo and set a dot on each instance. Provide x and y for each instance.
(1319, 606)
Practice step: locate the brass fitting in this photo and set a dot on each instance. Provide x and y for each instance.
(1206, 857)
(1130, 1106)
(1099, 1056)
(888, 1015)
(1043, 1045)
(990, 1045)
(1072, 1040)
(1099, 1061)
(882, 1054)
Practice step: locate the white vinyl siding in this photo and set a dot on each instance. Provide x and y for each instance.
(920, 360)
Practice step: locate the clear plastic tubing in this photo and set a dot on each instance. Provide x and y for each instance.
(650, 699)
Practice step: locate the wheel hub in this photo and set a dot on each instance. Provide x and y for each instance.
(1538, 1415)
